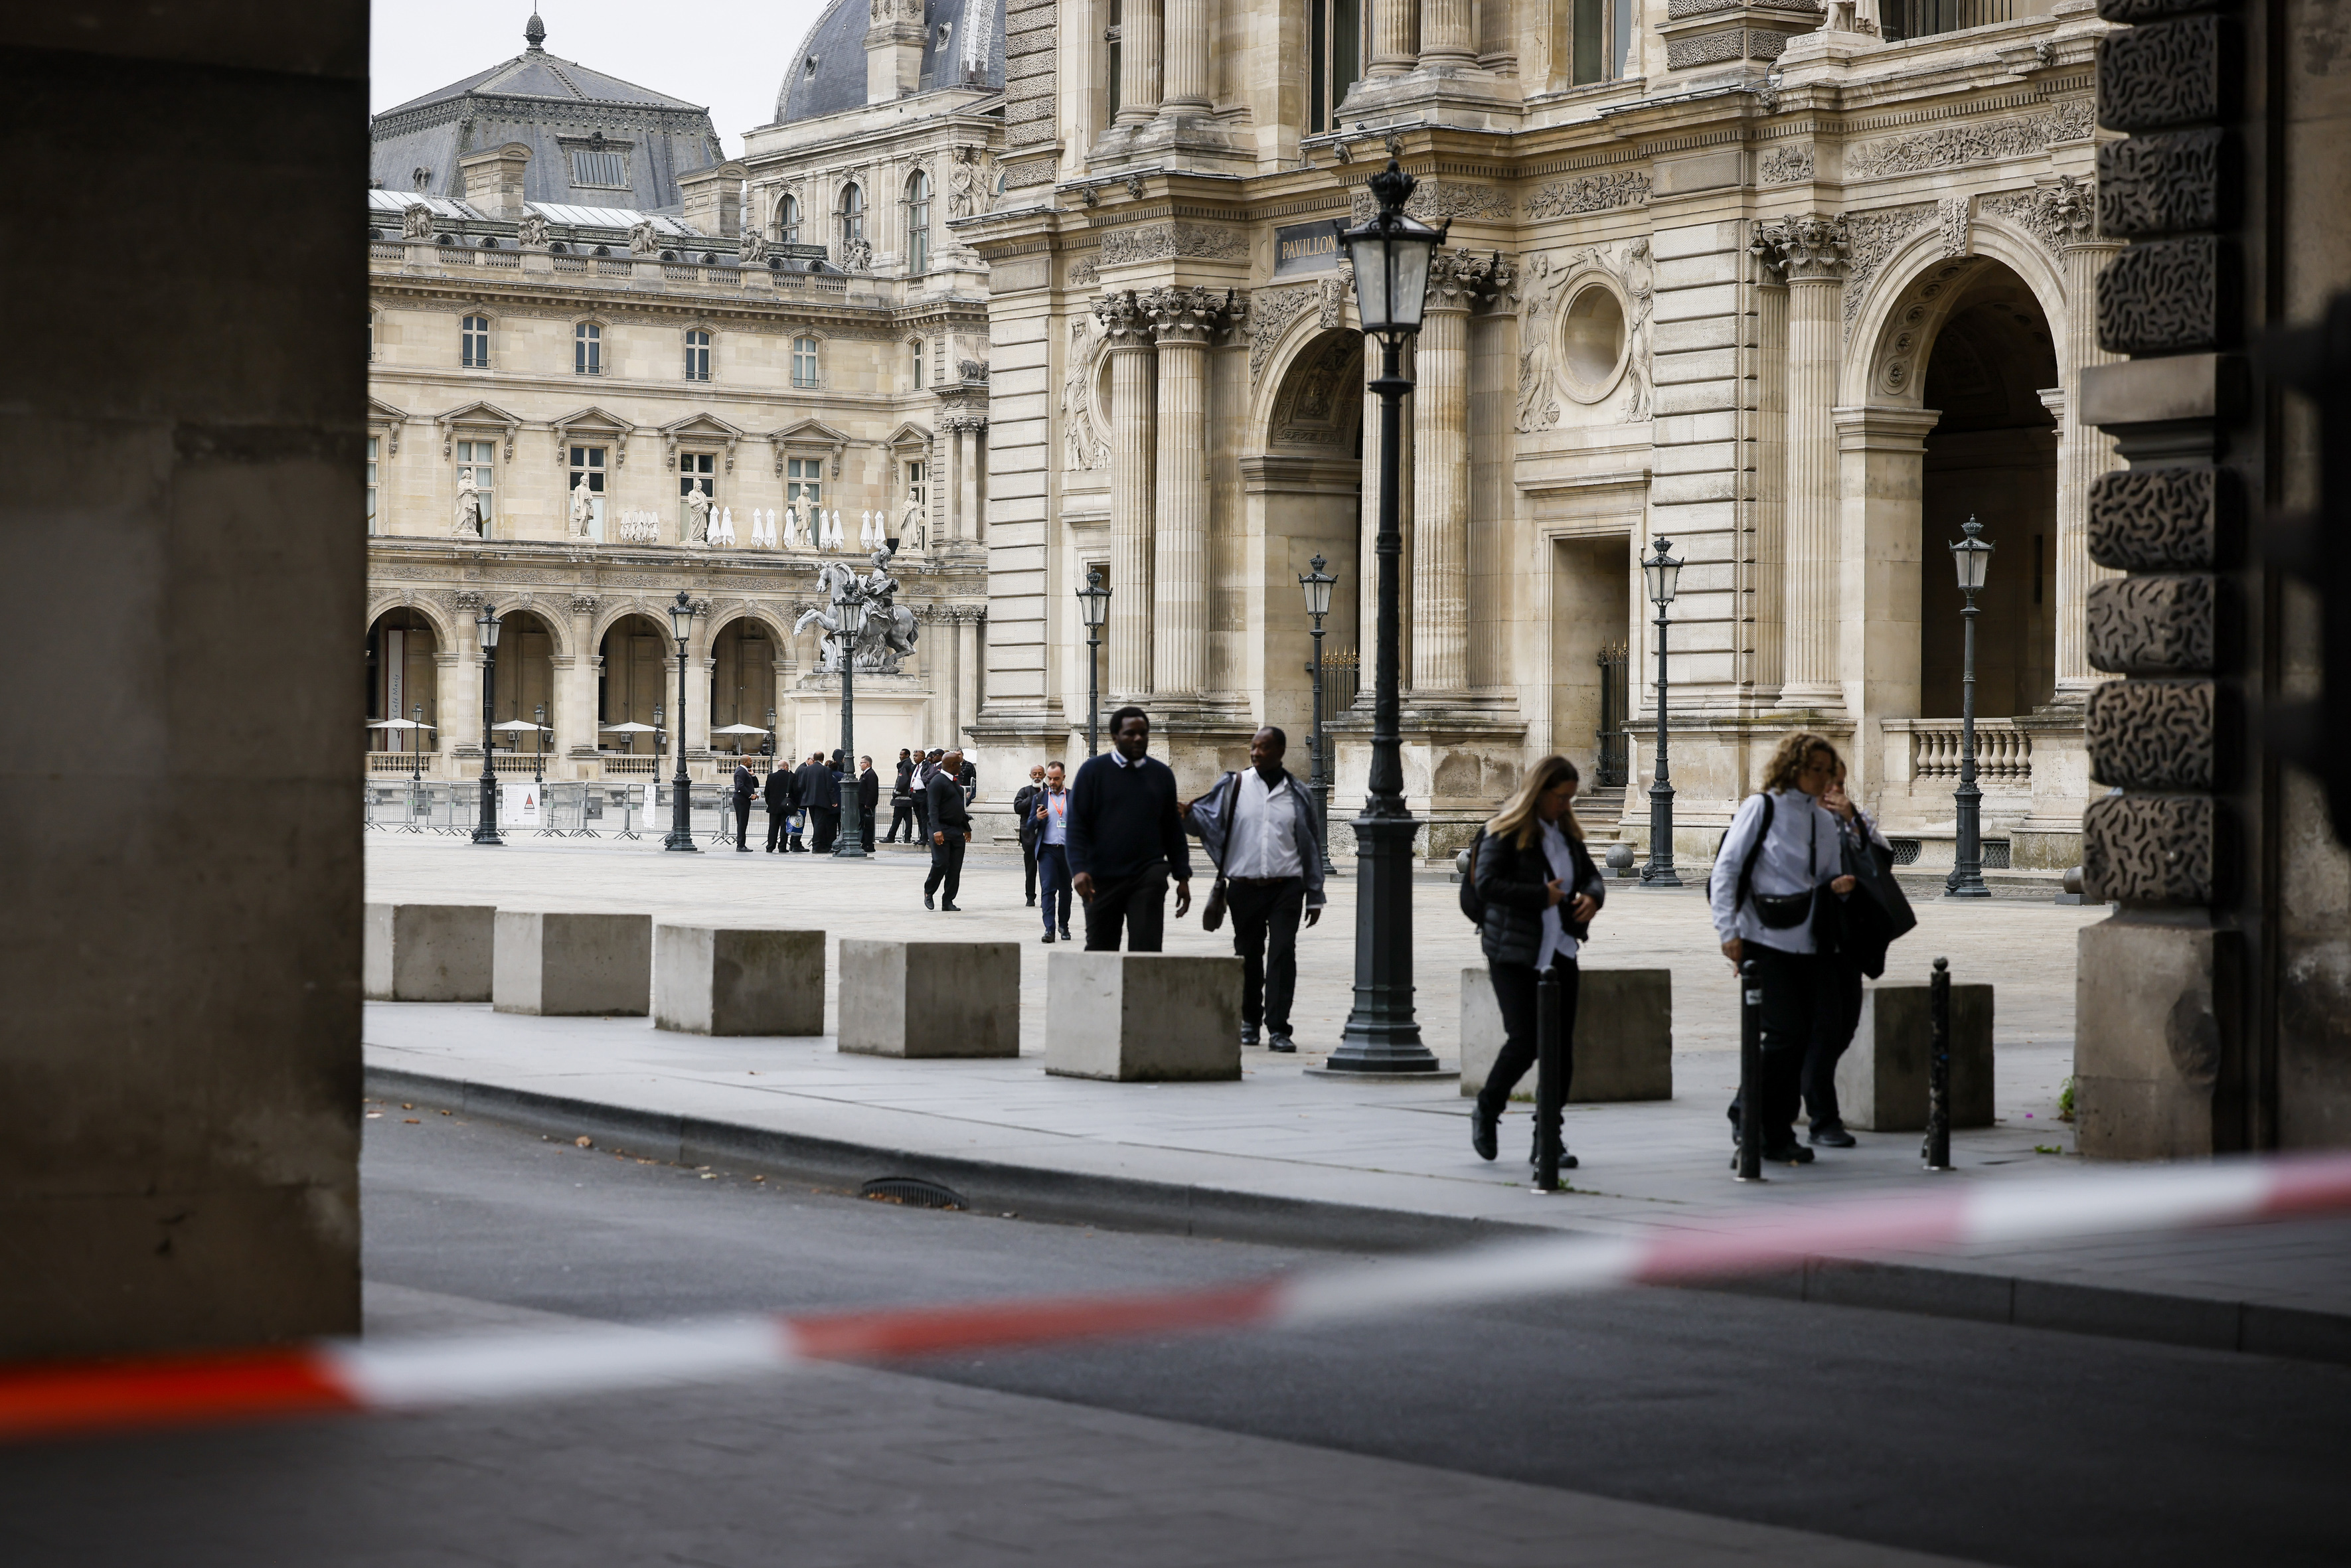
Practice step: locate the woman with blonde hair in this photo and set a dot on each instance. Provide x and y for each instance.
(1539, 891)
(1783, 854)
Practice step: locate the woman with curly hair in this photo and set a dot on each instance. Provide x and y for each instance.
(1782, 855)
(1540, 890)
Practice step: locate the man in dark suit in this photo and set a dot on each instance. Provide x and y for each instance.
(812, 777)
(1126, 840)
(902, 798)
(824, 809)
(781, 793)
(925, 763)
(746, 784)
(950, 832)
(868, 802)
(1024, 811)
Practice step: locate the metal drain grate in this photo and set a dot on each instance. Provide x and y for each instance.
(1995, 854)
(913, 1191)
(1905, 851)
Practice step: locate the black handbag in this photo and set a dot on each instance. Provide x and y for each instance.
(1779, 911)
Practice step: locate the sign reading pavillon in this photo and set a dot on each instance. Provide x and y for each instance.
(1305, 247)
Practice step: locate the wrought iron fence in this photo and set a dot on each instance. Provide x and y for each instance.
(1613, 769)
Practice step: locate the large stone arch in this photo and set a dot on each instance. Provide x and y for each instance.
(1289, 325)
(1912, 295)
(557, 621)
(444, 629)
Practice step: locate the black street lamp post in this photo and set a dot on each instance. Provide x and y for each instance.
(1972, 557)
(485, 820)
(416, 745)
(1093, 605)
(539, 744)
(1662, 572)
(849, 605)
(1391, 252)
(681, 815)
(1318, 584)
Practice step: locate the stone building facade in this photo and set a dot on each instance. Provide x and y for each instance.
(574, 372)
(1797, 292)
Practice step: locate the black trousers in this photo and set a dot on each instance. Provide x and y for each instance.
(1053, 864)
(866, 826)
(1514, 989)
(946, 867)
(1137, 903)
(824, 822)
(1028, 867)
(1265, 916)
(1795, 987)
(742, 821)
(779, 825)
(1839, 1016)
(901, 815)
(922, 816)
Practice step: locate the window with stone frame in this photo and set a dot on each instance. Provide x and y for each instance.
(804, 362)
(587, 348)
(697, 355)
(916, 355)
(587, 463)
(374, 525)
(788, 220)
(474, 344)
(605, 169)
(803, 486)
(1334, 58)
(695, 471)
(1600, 39)
(851, 215)
(918, 221)
(1112, 31)
(475, 461)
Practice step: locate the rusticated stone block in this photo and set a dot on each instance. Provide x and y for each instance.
(2150, 848)
(2161, 625)
(2165, 73)
(2163, 296)
(2174, 182)
(2152, 735)
(2154, 1048)
(2149, 10)
(2161, 519)
(1624, 1037)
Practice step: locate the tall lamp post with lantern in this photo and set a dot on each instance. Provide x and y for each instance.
(1317, 584)
(485, 820)
(1972, 556)
(1391, 252)
(681, 815)
(1661, 573)
(1093, 605)
(848, 606)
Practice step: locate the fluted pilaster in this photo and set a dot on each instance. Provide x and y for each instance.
(1131, 373)
(1440, 543)
(1138, 62)
(2084, 450)
(1395, 38)
(1186, 55)
(1445, 34)
(1182, 320)
(1813, 250)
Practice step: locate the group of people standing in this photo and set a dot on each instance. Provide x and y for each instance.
(804, 802)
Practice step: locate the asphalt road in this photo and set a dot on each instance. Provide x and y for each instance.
(1530, 1424)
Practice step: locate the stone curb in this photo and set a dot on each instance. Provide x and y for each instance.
(1128, 1203)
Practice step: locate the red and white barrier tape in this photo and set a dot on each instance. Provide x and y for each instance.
(349, 1376)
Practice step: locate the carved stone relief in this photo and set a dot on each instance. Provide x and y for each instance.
(2058, 213)
(1548, 287)
(1434, 200)
(1909, 326)
(1159, 241)
(1085, 443)
(1955, 146)
(1870, 238)
(2159, 519)
(2161, 298)
(1587, 193)
(2152, 625)
(2152, 735)
(2164, 183)
(1785, 166)
(2149, 849)
(1322, 396)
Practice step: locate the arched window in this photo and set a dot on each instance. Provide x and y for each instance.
(853, 213)
(588, 349)
(917, 347)
(788, 221)
(804, 366)
(697, 355)
(474, 344)
(918, 221)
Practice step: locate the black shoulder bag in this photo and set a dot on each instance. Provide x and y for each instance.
(1779, 911)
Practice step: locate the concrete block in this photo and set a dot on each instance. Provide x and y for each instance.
(930, 998)
(562, 963)
(427, 952)
(1624, 1036)
(724, 980)
(1143, 1016)
(1881, 1080)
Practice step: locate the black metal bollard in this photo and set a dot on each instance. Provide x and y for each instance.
(1548, 1073)
(1751, 1074)
(1939, 1069)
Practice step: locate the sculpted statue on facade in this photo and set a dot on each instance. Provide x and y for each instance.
(698, 514)
(753, 251)
(644, 239)
(582, 509)
(531, 231)
(469, 510)
(416, 222)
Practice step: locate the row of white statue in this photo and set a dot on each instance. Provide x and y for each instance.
(710, 525)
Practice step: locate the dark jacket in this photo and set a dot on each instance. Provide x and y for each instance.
(1513, 883)
(948, 814)
(820, 790)
(746, 784)
(1125, 819)
(869, 792)
(1211, 817)
(783, 790)
(1024, 811)
(905, 784)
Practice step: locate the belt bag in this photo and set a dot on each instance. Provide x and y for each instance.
(1783, 911)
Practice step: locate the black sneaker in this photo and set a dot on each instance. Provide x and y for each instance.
(1481, 1133)
(1065, 933)
(1788, 1153)
(928, 902)
(950, 909)
(1833, 1138)
(1566, 1161)
(1283, 1044)
(1048, 935)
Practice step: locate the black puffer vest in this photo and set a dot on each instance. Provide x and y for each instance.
(1513, 884)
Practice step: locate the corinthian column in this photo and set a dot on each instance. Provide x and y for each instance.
(2084, 450)
(1392, 35)
(1186, 57)
(1138, 62)
(1445, 38)
(1131, 367)
(1440, 494)
(1182, 320)
(1812, 249)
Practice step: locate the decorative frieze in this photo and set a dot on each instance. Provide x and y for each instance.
(1980, 141)
(2153, 734)
(1161, 242)
(1591, 194)
(2150, 848)
(2059, 213)
(2157, 624)
(2159, 519)
(1433, 201)
(1785, 166)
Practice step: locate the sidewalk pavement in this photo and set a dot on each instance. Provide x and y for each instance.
(1284, 1157)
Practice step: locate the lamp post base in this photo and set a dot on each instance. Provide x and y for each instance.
(1382, 1035)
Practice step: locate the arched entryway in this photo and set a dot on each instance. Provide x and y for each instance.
(403, 682)
(1992, 456)
(524, 687)
(634, 680)
(742, 686)
(1304, 494)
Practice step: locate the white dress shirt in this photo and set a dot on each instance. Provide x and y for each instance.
(1802, 852)
(1556, 942)
(1261, 841)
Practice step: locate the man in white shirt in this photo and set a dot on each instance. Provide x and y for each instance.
(1258, 828)
(1050, 831)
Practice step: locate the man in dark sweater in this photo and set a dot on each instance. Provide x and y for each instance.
(950, 832)
(1126, 840)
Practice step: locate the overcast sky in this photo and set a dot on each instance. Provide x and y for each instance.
(728, 54)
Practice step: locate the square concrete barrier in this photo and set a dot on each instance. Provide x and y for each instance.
(930, 998)
(1881, 1080)
(1143, 1016)
(427, 952)
(1624, 1036)
(725, 980)
(556, 962)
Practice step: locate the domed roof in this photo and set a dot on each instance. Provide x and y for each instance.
(636, 140)
(963, 46)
